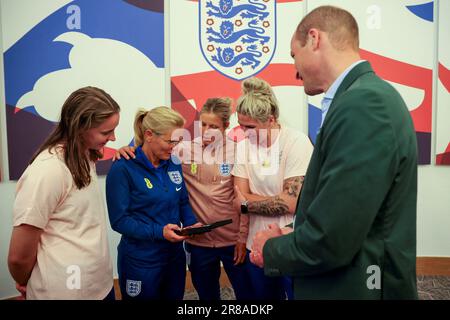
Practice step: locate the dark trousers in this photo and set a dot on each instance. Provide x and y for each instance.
(268, 288)
(157, 281)
(205, 270)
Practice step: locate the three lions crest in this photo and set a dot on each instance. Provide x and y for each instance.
(238, 38)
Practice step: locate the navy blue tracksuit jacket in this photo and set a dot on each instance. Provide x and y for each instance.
(141, 200)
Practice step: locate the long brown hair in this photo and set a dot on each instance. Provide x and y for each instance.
(84, 109)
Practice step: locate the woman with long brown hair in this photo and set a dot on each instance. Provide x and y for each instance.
(59, 247)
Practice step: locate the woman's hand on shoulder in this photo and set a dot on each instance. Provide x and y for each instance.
(126, 151)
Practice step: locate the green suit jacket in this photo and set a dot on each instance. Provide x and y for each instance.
(355, 223)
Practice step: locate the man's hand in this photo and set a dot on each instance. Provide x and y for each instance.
(127, 152)
(260, 239)
(257, 258)
(239, 253)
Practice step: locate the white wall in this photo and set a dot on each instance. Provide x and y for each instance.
(433, 211)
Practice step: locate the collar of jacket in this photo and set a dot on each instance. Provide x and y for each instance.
(142, 159)
(355, 73)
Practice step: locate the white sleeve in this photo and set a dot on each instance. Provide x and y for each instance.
(239, 170)
(298, 158)
(40, 190)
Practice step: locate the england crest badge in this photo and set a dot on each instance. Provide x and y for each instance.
(225, 169)
(133, 287)
(238, 37)
(175, 176)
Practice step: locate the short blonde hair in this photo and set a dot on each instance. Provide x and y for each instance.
(257, 100)
(159, 120)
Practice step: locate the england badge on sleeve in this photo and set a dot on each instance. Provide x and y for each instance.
(237, 37)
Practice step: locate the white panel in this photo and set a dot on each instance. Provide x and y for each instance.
(388, 28)
(185, 56)
(20, 16)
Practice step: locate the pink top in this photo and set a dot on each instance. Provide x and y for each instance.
(73, 260)
(207, 174)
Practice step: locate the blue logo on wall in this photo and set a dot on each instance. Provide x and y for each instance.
(238, 39)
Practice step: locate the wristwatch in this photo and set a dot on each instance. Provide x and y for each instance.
(244, 207)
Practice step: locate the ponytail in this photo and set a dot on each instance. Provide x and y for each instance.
(138, 127)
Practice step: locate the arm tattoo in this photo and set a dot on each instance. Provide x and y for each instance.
(272, 207)
(276, 206)
(292, 186)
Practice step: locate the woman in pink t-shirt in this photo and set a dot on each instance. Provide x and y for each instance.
(59, 247)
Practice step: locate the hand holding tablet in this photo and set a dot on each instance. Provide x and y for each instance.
(202, 229)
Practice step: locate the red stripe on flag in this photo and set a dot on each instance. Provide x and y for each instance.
(408, 75)
(444, 76)
(203, 85)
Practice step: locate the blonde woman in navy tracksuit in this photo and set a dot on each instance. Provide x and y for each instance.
(147, 201)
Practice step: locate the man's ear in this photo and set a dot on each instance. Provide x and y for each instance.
(314, 38)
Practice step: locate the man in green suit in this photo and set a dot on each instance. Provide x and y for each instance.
(354, 234)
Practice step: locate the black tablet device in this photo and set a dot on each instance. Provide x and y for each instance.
(202, 229)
